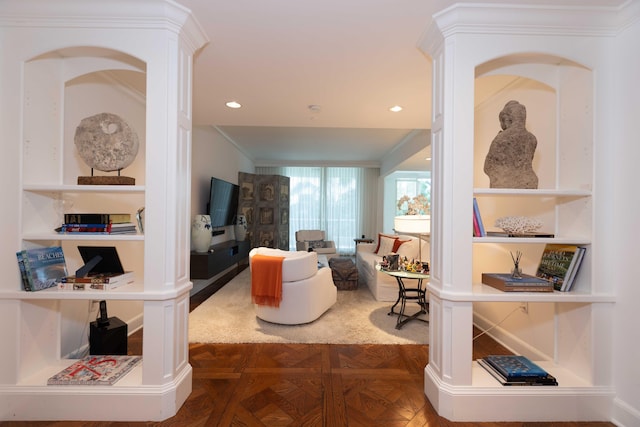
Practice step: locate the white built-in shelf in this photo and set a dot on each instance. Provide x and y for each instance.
(532, 240)
(133, 378)
(82, 237)
(129, 292)
(540, 192)
(47, 188)
(568, 382)
(483, 293)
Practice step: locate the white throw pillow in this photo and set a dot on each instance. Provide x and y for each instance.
(386, 245)
(408, 249)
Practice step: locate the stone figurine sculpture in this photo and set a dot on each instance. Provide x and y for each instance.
(509, 160)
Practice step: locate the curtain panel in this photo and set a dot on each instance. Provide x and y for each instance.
(339, 200)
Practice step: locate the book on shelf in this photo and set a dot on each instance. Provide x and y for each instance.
(96, 218)
(559, 265)
(526, 283)
(95, 370)
(477, 217)
(102, 270)
(476, 227)
(110, 228)
(94, 286)
(542, 378)
(100, 281)
(41, 268)
(529, 234)
(573, 272)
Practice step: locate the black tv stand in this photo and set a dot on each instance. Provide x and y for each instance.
(219, 258)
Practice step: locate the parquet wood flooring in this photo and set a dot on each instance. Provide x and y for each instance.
(274, 385)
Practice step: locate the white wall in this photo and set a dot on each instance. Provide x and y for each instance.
(624, 230)
(214, 156)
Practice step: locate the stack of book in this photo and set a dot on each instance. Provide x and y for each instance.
(97, 223)
(102, 271)
(96, 282)
(512, 370)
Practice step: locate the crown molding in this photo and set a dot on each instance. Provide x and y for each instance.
(115, 14)
(510, 19)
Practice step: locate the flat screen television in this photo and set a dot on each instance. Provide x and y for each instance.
(223, 202)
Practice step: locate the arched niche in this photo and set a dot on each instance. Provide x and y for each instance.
(63, 86)
(558, 95)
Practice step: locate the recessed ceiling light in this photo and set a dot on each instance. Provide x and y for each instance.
(233, 104)
(395, 108)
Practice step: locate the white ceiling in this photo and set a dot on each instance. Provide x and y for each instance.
(353, 58)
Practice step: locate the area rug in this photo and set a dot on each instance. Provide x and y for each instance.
(357, 318)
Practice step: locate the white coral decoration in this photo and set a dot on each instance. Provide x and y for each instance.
(518, 224)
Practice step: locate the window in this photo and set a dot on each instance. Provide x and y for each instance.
(327, 198)
(413, 195)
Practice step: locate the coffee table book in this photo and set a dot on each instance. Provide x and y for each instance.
(95, 370)
(557, 262)
(506, 283)
(41, 268)
(541, 380)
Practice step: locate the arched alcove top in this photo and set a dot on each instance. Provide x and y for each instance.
(81, 60)
(544, 68)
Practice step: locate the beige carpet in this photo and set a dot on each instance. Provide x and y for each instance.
(357, 318)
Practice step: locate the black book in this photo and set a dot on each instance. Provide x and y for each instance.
(546, 379)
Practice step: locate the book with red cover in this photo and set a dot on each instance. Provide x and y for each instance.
(95, 370)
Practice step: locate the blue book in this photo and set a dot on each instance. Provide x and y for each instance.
(43, 267)
(515, 367)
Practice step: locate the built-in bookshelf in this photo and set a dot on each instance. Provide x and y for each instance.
(479, 66)
(42, 104)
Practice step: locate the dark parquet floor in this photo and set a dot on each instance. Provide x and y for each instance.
(276, 385)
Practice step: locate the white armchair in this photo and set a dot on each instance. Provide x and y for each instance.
(315, 239)
(307, 291)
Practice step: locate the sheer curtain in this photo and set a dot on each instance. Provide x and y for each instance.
(334, 199)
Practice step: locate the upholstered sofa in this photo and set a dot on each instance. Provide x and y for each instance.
(382, 286)
(307, 291)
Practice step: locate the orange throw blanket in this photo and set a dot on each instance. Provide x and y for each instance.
(266, 280)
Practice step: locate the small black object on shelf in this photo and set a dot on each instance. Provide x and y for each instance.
(107, 335)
